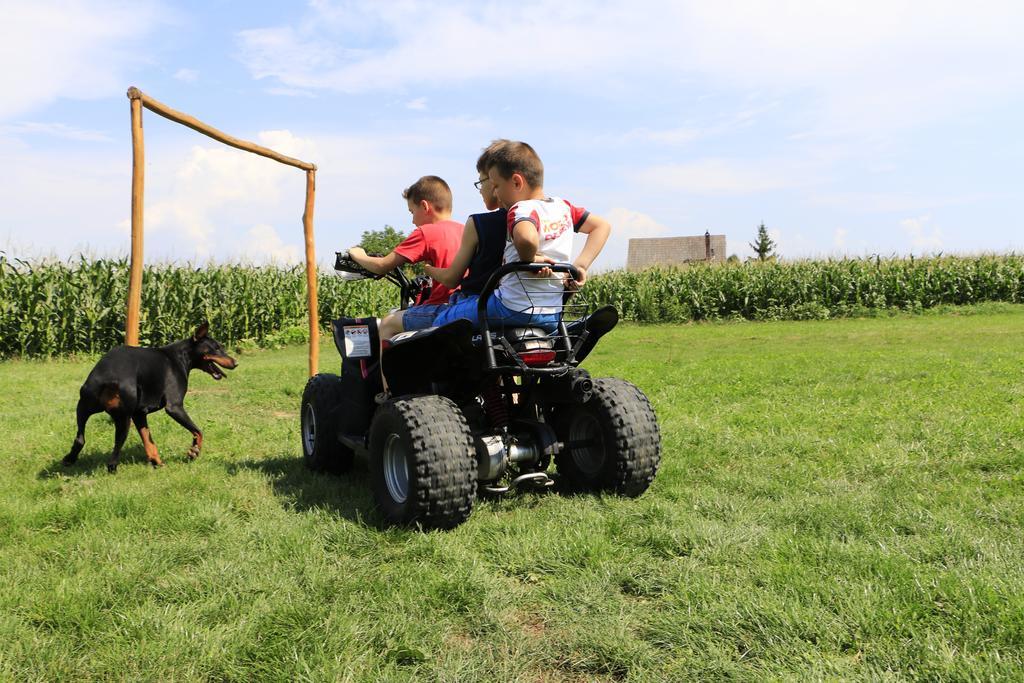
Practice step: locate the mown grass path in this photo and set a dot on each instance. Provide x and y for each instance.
(837, 499)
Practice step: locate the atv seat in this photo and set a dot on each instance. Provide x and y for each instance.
(529, 338)
(521, 338)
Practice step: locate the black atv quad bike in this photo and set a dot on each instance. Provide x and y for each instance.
(445, 412)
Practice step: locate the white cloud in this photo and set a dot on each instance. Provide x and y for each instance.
(285, 142)
(418, 104)
(629, 224)
(75, 49)
(725, 122)
(727, 176)
(862, 64)
(217, 180)
(203, 199)
(57, 130)
(63, 200)
(290, 92)
(327, 49)
(866, 63)
(212, 201)
(839, 238)
(668, 136)
(264, 244)
(923, 239)
(888, 202)
(187, 75)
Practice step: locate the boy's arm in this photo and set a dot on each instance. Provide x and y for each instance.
(379, 265)
(526, 240)
(452, 275)
(597, 231)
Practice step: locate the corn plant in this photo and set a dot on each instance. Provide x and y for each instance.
(78, 306)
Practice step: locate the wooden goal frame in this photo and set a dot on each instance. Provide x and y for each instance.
(138, 101)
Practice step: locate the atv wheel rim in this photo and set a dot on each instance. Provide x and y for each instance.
(589, 456)
(396, 469)
(309, 429)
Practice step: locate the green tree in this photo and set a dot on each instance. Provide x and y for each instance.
(764, 246)
(381, 242)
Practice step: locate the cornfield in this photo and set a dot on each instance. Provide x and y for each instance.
(808, 289)
(78, 306)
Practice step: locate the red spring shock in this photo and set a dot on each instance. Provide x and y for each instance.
(494, 404)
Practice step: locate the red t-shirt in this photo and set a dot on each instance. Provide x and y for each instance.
(435, 243)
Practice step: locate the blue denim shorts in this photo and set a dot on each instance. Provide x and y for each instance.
(421, 317)
(497, 314)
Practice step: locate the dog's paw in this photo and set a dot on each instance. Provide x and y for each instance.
(112, 467)
(193, 453)
(69, 460)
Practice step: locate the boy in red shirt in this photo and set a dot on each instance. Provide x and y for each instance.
(435, 240)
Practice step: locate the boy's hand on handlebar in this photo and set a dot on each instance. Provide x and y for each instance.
(577, 283)
(543, 272)
(355, 252)
(570, 284)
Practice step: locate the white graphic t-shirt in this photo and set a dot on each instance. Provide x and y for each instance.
(556, 221)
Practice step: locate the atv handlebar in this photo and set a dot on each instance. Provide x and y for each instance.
(492, 284)
(346, 264)
(518, 266)
(409, 289)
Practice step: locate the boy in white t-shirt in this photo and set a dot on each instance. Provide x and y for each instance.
(540, 228)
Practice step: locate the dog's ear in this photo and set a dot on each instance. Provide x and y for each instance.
(201, 331)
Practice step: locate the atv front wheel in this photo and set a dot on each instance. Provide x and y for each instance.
(423, 462)
(612, 442)
(320, 446)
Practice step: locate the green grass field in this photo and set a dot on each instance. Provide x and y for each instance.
(838, 499)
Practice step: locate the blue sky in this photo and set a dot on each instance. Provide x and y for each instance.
(848, 128)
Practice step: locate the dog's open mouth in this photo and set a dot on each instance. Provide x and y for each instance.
(211, 363)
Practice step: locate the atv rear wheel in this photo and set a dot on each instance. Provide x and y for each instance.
(423, 462)
(320, 446)
(612, 442)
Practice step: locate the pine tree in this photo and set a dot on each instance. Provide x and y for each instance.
(764, 246)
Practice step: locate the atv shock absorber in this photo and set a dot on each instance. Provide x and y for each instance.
(494, 404)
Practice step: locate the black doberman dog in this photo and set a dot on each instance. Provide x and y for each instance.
(130, 382)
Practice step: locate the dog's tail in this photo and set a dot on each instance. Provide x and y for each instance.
(109, 396)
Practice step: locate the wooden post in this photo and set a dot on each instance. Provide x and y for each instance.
(139, 99)
(131, 332)
(220, 136)
(314, 318)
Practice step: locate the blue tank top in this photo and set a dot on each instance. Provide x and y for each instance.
(491, 233)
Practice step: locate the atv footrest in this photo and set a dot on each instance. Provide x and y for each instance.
(356, 442)
(536, 479)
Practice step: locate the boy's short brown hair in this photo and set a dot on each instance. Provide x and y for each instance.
(516, 157)
(484, 162)
(431, 188)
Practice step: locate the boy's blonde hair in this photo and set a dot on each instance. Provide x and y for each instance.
(432, 189)
(510, 157)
